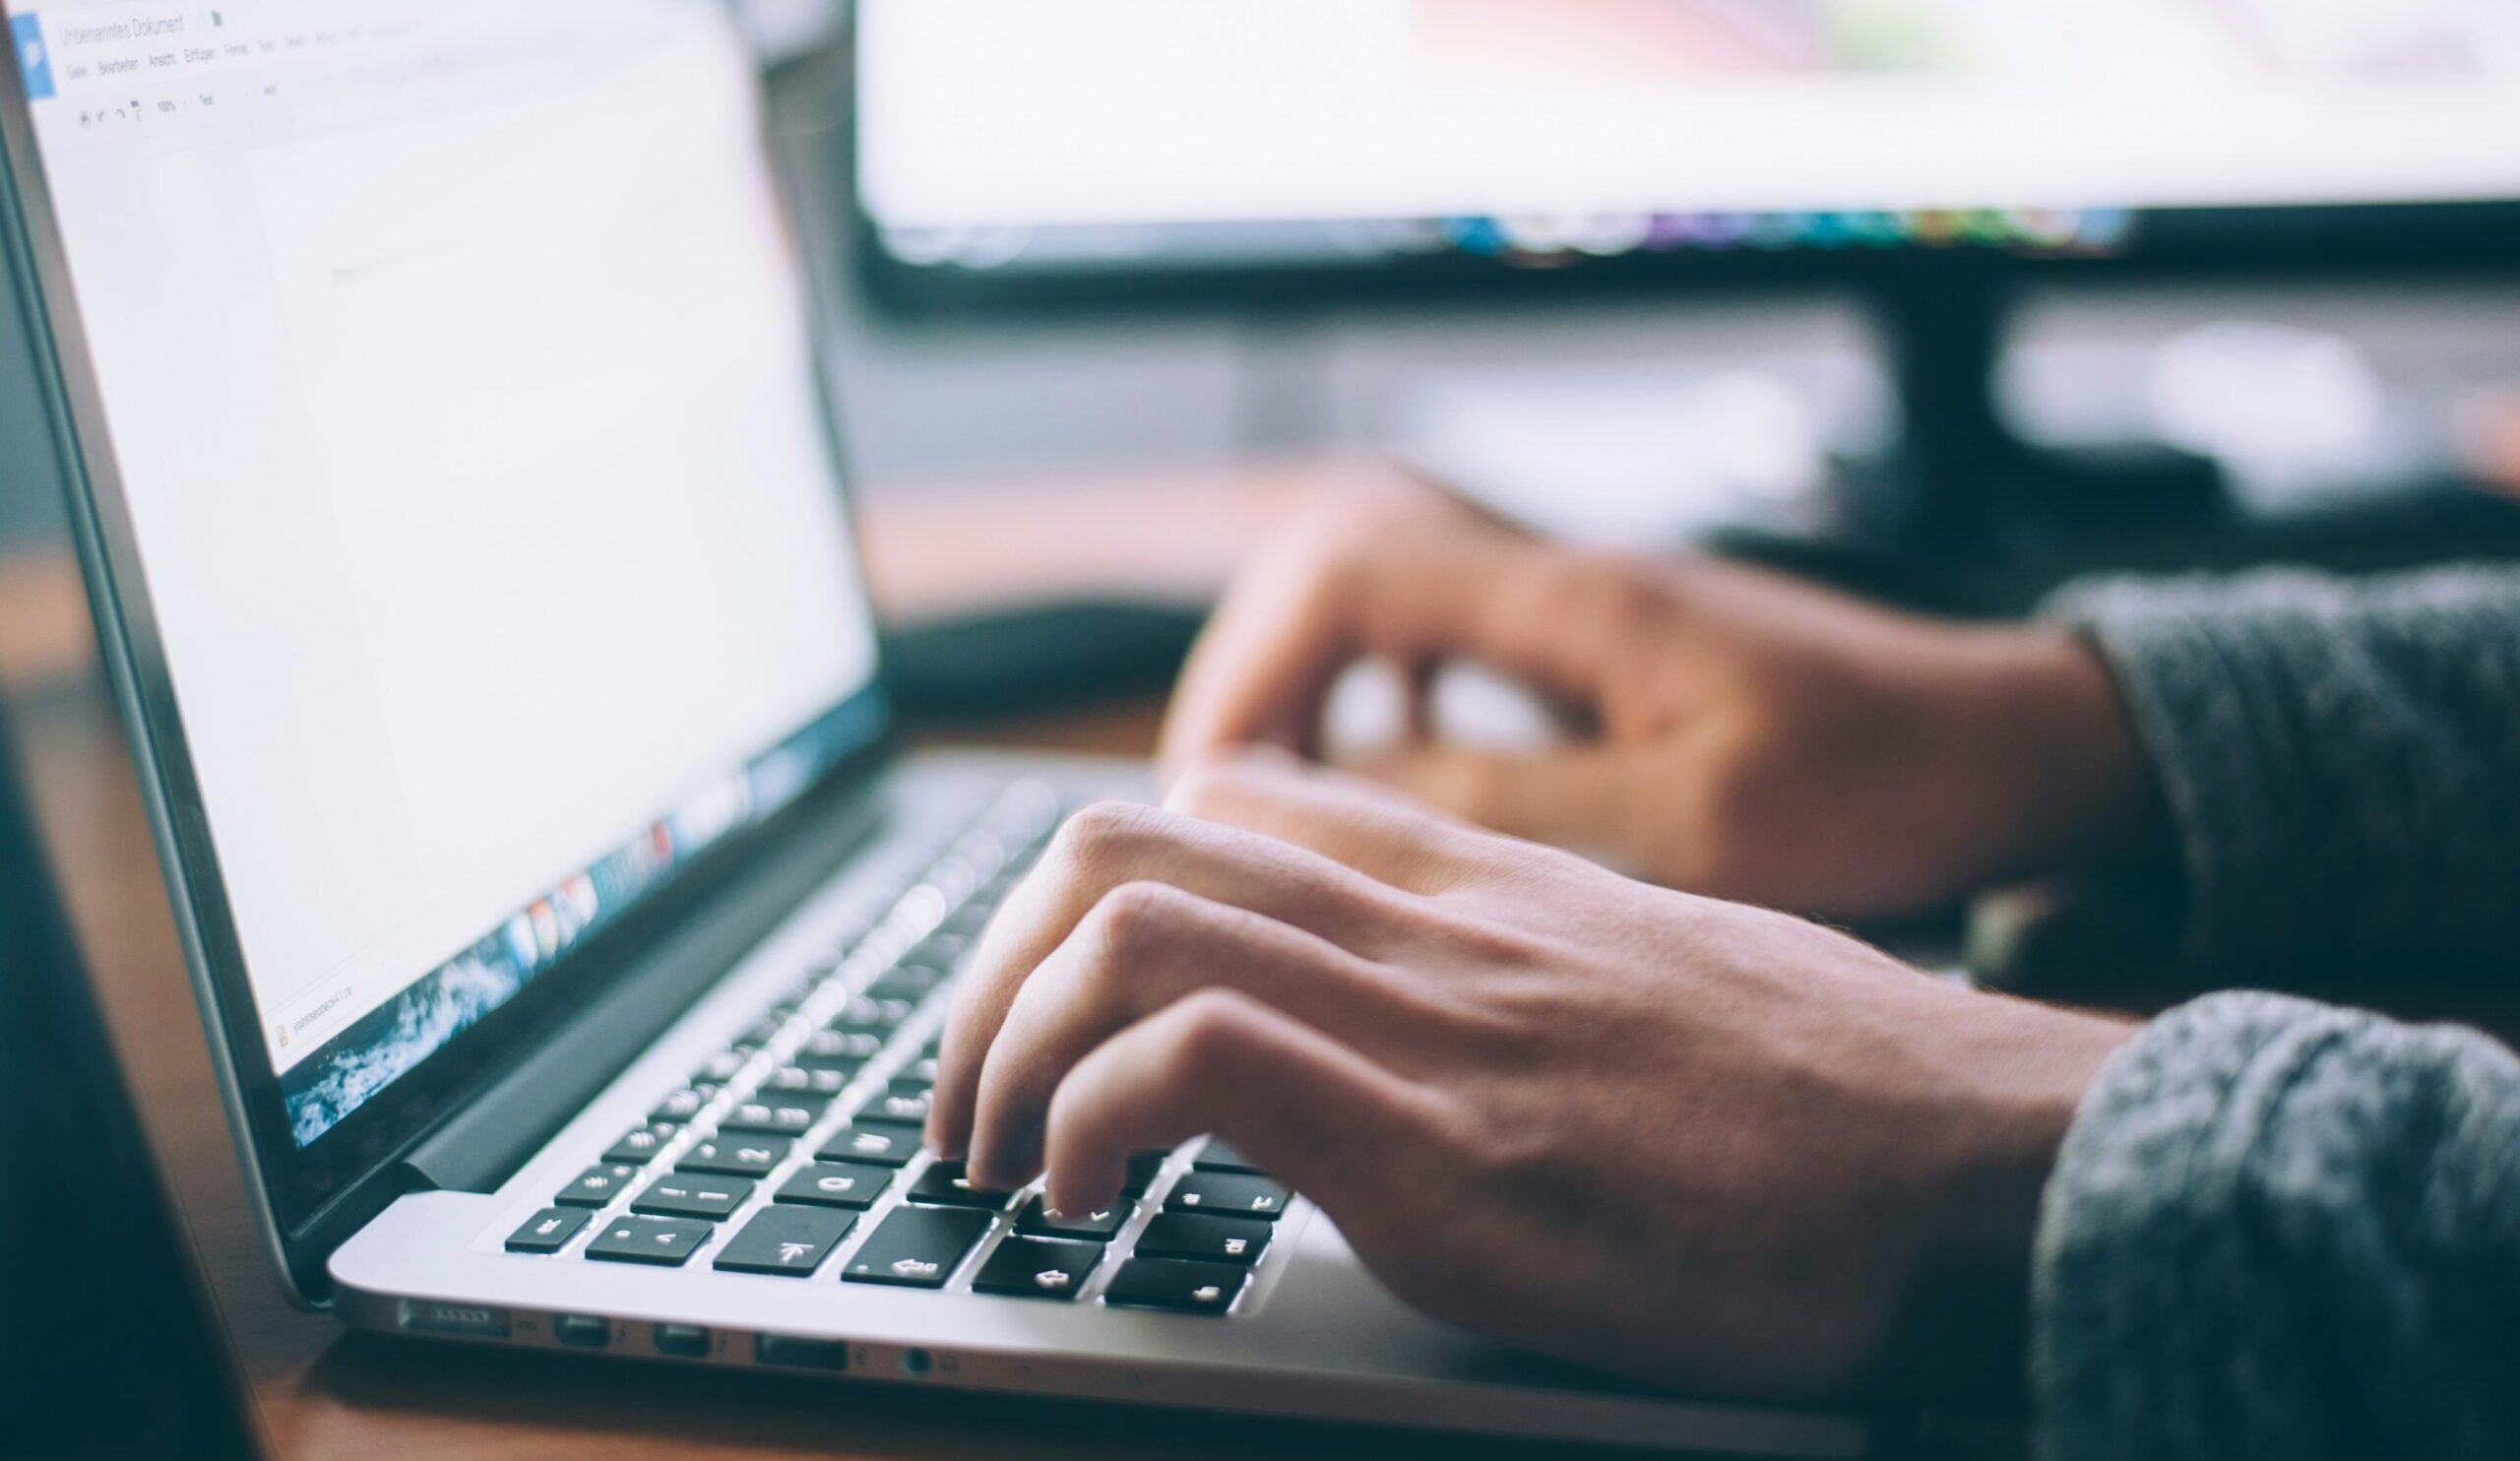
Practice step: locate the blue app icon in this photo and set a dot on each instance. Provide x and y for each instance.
(26, 34)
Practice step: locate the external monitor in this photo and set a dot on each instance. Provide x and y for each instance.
(1007, 148)
(1931, 156)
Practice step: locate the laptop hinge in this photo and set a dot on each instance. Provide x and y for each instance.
(497, 1131)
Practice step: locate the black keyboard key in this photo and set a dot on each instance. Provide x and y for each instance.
(902, 1101)
(1207, 1239)
(881, 1143)
(787, 1242)
(636, 1147)
(970, 921)
(1144, 1168)
(682, 1105)
(596, 1185)
(800, 1081)
(1228, 1194)
(692, 1195)
(917, 1247)
(720, 1068)
(663, 1241)
(736, 1156)
(548, 1231)
(1096, 1227)
(772, 1119)
(1217, 1154)
(909, 984)
(1038, 1268)
(943, 1183)
(841, 1184)
(1186, 1287)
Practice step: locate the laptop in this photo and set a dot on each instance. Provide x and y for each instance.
(436, 382)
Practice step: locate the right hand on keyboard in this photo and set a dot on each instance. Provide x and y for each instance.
(1692, 1141)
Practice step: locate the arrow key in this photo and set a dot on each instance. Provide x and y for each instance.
(1038, 1268)
(1041, 1220)
(786, 1241)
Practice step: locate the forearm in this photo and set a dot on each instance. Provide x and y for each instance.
(2340, 761)
(2282, 1230)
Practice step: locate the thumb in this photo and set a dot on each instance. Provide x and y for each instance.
(1584, 798)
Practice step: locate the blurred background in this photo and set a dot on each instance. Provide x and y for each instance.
(1945, 299)
(1592, 364)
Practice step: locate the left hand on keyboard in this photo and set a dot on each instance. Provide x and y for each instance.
(1695, 1142)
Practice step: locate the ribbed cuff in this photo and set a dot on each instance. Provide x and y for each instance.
(2340, 759)
(2278, 1229)
(2130, 1309)
(2228, 770)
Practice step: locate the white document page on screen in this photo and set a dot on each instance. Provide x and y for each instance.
(481, 485)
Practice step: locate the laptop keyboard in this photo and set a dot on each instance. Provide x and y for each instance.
(795, 1153)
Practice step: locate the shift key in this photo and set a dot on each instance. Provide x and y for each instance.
(917, 1247)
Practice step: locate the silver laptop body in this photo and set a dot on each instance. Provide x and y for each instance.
(451, 469)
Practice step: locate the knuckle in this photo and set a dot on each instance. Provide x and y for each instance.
(1211, 1028)
(1214, 784)
(1098, 832)
(1327, 562)
(1135, 920)
(1609, 590)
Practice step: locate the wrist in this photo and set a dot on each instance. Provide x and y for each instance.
(2068, 781)
(1961, 1330)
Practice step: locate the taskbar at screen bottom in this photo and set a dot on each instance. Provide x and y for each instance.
(321, 1089)
(1535, 241)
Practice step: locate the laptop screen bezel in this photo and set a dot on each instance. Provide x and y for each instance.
(293, 1186)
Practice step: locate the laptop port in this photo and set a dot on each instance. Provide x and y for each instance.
(801, 1353)
(682, 1340)
(469, 1319)
(584, 1331)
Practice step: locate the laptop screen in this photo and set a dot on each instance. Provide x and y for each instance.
(457, 369)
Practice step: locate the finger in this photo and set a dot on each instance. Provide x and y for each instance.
(1581, 797)
(1103, 847)
(1362, 823)
(1263, 667)
(1314, 1113)
(1140, 949)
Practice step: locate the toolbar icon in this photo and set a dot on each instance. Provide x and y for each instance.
(34, 59)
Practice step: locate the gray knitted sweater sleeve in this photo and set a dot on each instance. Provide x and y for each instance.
(2282, 1230)
(2279, 1229)
(2340, 759)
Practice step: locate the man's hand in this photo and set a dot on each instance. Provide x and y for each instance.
(1694, 1142)
(1740, 734)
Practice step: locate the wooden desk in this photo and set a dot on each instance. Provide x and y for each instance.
(318, 1390)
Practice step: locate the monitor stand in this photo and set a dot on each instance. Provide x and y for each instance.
(1966, 517)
